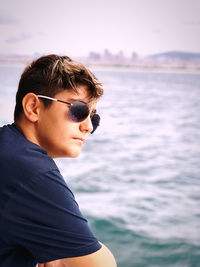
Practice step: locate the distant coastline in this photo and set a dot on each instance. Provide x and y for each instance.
(173, 62)
(144, 69)
(122, 68)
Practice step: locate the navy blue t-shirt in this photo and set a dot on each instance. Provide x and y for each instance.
(40, 220)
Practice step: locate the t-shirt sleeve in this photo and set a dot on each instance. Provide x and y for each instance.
(44, 218)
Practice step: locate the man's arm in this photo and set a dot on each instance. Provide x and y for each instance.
(101, 258)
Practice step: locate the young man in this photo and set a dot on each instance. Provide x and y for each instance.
(40, 221)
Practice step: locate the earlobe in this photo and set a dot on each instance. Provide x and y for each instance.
(30, 105)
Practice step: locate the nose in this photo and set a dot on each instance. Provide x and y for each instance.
(86, 125)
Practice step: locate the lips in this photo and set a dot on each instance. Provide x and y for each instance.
(79, 139)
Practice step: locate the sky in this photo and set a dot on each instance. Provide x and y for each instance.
(76, 27)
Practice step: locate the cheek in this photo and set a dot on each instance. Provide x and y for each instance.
(49, 130)
(56, 124)
(56, 135)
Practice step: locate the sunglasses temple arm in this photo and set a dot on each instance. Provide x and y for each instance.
(53, 99)
(47, 97)
(64, 102)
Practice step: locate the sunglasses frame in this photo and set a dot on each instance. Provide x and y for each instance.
(95, 118)
(67, 103)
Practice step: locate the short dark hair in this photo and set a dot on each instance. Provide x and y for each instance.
(51, 74)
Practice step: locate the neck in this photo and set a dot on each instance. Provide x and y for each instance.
(28, 129)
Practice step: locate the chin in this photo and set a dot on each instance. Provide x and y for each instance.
(65, 152)
(65, 155)
(72, 154)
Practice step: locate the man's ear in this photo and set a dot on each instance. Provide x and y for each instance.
(31, 107)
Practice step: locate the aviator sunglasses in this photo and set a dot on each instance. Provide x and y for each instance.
(78, 111)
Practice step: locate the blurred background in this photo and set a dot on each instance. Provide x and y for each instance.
(137, 178)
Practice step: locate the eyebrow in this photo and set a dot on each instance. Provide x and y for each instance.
(77, 99)
(81, 100)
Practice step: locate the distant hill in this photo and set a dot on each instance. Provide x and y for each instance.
(176, 55)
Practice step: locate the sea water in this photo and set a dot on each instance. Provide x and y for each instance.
(137, 180)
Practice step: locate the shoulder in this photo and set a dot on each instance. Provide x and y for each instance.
(21, 154)
(23, 162)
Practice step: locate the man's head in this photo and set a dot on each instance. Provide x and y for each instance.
(47, 122)
(52, 74)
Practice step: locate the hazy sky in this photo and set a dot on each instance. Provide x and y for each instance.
(75, 27)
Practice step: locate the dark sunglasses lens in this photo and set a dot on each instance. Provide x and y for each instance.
(78, 112)
(95, 122)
